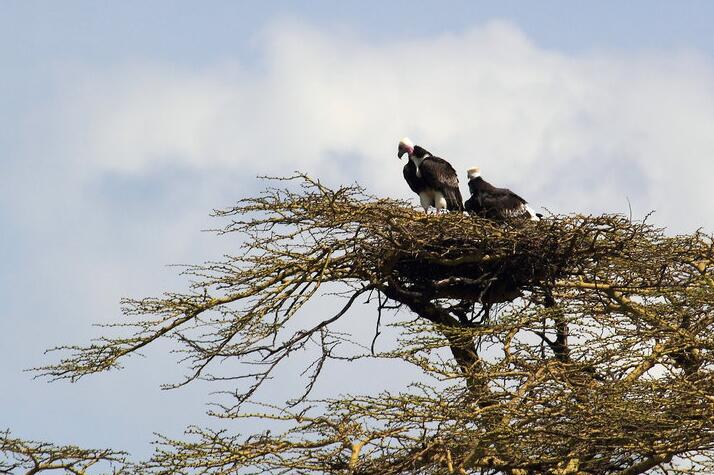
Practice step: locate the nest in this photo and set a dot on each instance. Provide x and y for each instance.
(475, 260)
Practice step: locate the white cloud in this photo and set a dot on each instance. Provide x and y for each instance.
(570, 132)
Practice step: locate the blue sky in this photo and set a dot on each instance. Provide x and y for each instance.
(197, 33)
(124, 123)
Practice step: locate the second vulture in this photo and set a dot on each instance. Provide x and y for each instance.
(494, 203)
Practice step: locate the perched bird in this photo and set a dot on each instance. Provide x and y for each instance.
(432, 178)
(490, 202)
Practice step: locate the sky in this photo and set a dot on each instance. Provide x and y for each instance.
(123, 124)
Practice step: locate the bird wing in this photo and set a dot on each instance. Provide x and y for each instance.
(414, 182)
(503, 203)
(454, 201)
(438, 174)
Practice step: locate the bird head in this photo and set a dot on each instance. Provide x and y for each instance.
(405, 146)
(473, 172)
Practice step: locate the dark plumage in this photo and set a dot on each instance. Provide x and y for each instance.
(410, 175)
(494, 203)
(438, 174)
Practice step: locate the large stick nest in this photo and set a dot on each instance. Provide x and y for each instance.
(451, 255)
(476, 260)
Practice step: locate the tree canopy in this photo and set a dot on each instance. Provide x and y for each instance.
(575, 345)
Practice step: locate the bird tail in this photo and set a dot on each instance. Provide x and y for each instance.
(532, 214)
(454, 202)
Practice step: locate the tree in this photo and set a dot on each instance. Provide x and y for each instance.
(577, 345)
(29, 457)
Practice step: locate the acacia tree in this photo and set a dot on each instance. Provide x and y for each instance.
(30, 457)
(576, 345)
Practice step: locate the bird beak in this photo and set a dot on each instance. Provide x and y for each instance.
(400, 153)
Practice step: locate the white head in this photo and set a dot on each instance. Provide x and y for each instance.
(472, 173)
(405, 146)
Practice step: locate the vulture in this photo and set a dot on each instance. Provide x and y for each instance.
(430, 177)
(494, 203)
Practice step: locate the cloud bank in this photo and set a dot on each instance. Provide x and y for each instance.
(573, 133)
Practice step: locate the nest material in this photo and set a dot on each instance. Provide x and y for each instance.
(477, 275)
(473, 259)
